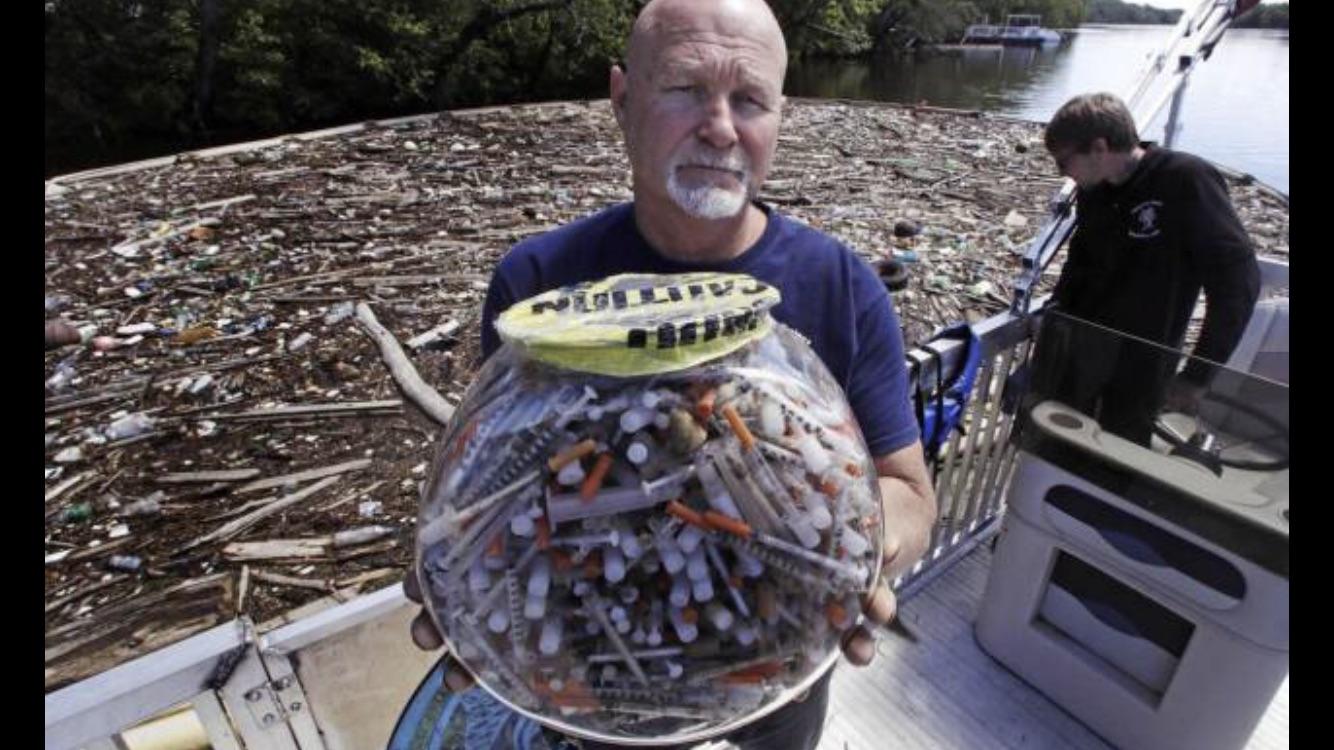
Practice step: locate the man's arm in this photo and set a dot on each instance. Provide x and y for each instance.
(909, 504)
(910, 507)
(1219, 250)
(1072, 278)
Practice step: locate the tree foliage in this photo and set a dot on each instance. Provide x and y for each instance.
(1264, 17)
(180, 73)
(176, 74)
(1115, 11)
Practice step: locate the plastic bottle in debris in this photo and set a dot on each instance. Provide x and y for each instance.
(61, 378)
(76, 513)
(129, 426)
(56, 302)
(201, 383)
(149, 506)
(361, 535)
(125, 563)
(338, 313)
(299, 342)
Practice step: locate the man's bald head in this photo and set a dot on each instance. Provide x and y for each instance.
(700, 106)
(663, 20)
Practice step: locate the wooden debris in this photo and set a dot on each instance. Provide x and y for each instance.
(242, 588)
(371, 576)
(131, 626)
(82, 592)
(351, 409)
(308, 548)
(203, 477)
(282, 580)
(277, 549)
(83, 480)
(300, 550)
(90, 553)
(231, 529)
(401, 368)
(303, 476)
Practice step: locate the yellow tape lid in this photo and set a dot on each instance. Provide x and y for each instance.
(641, 324)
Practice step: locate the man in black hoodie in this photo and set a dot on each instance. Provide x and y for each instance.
(1155, 228)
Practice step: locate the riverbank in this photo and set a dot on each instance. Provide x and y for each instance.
(223, 281)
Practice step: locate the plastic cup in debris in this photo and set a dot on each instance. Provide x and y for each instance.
(131, 425)
(299, 342)
(653, 517)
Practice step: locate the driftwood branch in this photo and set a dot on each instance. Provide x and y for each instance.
(282, 580)
(348, 409)
(232, 528)
(202, 477)
(304, 476)
(412, 385)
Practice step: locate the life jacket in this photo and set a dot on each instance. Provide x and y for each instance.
(940, 406)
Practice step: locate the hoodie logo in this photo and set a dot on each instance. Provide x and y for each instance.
(1144, 220)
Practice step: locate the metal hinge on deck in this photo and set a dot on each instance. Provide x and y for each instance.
(267, 704)
(264, 703)
(276, 702)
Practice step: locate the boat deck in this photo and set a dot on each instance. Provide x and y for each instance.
(945, 692)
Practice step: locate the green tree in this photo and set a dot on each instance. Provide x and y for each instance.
(1264, 17)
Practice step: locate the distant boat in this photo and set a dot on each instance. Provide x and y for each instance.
(1020, 30)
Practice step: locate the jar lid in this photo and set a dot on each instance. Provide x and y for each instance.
(641, 324)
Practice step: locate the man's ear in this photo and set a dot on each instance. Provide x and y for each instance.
(1098, 147)
(618, 92)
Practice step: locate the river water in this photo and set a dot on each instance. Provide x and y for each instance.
(1235, 111)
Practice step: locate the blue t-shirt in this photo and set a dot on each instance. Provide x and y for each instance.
(829, 295)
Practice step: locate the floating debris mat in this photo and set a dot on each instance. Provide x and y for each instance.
(654, 516)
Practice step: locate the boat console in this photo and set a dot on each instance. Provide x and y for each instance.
(1141, 576)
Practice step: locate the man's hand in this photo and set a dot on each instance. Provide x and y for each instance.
(427, 638)
(910, 512)
(1183, 396)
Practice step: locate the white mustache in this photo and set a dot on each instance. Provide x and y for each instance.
(733, 163)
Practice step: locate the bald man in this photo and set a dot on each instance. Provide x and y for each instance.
(699, 103)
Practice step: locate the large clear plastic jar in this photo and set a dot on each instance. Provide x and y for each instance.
(653, 516)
